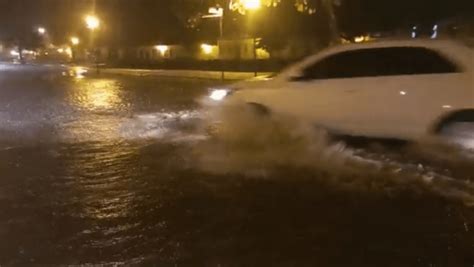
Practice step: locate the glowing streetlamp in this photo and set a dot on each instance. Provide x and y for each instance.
(92, 22)
(75, 41)
(252, 4)
(217, 12)
(41, 30)
(247, 5)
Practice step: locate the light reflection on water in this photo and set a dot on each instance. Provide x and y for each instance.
(105, 111)
(98, 94)
(106, 184)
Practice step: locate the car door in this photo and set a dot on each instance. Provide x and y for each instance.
(319, 90)
(377, 91)
(370, 91)
(323, 92)
(331, 92)
(397, 91)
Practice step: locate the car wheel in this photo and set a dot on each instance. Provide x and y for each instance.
(259, 109)
(459, 131)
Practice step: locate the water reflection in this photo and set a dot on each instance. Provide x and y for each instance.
(103, 191)
(102, 94)
(99, 107)
(98, 94)
(79, 72)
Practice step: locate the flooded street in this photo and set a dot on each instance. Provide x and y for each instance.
(122, 170)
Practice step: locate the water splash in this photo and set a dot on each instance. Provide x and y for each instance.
(166, 126)
(245, 143)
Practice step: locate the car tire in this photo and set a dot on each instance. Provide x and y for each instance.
(259, 109)
(459, 129)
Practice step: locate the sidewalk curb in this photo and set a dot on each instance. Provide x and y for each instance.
(194, 74)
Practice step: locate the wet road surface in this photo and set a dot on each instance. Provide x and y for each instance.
(119, 170)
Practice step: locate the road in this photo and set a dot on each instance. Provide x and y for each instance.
(123, 170)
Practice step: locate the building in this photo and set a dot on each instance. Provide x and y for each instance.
(160, 52)
(241, 49)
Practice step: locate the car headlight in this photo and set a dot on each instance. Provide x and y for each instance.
(219, 94)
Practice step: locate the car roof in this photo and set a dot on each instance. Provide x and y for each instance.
(381, 43)
(454, 50)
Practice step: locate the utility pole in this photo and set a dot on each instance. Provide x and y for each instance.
(218, 12)
(332, 19)
(221, 35)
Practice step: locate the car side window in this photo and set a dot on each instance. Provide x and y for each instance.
(373, 62)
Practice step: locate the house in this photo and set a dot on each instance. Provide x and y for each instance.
(160, 52)
(237, 49)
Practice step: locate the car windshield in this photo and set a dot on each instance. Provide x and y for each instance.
(153, 133)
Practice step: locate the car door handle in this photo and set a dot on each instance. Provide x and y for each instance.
(350, 91)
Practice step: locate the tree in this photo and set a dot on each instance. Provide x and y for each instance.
(310, 20)
(19, 30)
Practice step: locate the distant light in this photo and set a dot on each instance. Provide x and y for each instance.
(14, 53)
(80, 72)
(92, 22)
(403, 93)
(68, 51)
(359, 39)
(28, 52)
(218, 94)
(207, 49)
(163, 49)
(252, 4)
(75, 40)
(447, 106)
(41, 30)
(413, 32)
(60, 50)
(435, 32)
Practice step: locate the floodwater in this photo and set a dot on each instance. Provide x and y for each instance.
(124, 170)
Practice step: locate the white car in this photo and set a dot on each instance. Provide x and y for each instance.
(388, 89)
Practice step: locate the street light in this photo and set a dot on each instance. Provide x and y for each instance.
(217, 12)
(75, 41)
(92, 22)
(252, 4)
(246, 5)
(249, 5)
(41, 30)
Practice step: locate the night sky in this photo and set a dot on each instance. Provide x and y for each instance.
(143, 20)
